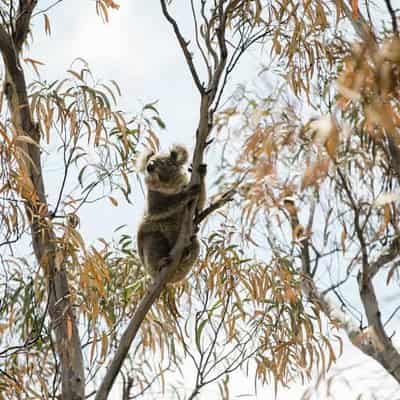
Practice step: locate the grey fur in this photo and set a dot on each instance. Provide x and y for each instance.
(167, 195)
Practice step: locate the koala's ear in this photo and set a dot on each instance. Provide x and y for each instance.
(143, 159)
(179, 154)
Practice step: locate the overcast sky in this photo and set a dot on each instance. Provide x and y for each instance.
(138, 50)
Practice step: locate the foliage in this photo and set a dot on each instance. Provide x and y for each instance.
(316, 204)
(325, 189)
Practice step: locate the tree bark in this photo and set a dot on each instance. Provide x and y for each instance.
(373, 341)
(48, 255)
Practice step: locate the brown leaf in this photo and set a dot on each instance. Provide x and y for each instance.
(343, 238)
(69, 327)
(391, 50)
(93, 348)
(104, 345)
(315, 173)
(332, 142)
(113, 201)
(111, 4)
(34, 64)
(354, 9)
(47, 27)
(298, 232)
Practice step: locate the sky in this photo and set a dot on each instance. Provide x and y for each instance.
(137, 49)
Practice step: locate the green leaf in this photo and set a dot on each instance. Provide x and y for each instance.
(199, 332)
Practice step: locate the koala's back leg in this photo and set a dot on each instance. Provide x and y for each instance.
(190, 255)
(156, 248)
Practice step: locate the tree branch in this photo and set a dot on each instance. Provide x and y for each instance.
(196, 33)
(360, 25)
(144, 306)
(223, 51)
(225, 198)
(394, 153)
(22, 22)
(393, 17)
(382, 347)
(357, 225)
(206, 34)
(48, 8)
(48, 255)
(188, 225)
(373, 341)
(184, 46)
(387, 256)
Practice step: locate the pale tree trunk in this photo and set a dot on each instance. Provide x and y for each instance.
(48, 255)
(373, 341)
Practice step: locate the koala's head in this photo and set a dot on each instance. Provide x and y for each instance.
(164, 172)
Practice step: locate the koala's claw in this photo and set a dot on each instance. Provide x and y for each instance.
(203, 169)
(194, 190)
(164, 262)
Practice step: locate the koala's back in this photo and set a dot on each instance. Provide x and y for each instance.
(168, 226)
(158, 238)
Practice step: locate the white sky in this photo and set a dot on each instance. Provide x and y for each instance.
(138, 50)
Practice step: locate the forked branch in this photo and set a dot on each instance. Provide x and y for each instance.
(190, 224)
(213, 33)
(184, 46)
(22, 22)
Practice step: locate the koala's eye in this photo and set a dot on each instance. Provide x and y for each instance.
(151, 167)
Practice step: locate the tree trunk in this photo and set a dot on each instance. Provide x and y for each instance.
(48, 255)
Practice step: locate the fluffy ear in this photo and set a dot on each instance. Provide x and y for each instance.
(143, 159)
(179, 154)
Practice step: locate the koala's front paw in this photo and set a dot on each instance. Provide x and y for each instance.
(193, 190)
(203, 170)
(164, 262)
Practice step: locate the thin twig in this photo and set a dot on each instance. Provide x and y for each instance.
(387, 256)
(336, 285)
(47, 8)
(196, 33)
(393, 17)
(16, 349)
(150, 383)
(206, 33)
(184, 46)
(226, 197)
(392, 315)
(9, 377)
(357, 226)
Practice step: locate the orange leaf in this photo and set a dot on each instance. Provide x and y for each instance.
(93, 348)
(69, 327)
(315, 173)
(104, 345)
(112, 4)
(332, 142)
(354, 9)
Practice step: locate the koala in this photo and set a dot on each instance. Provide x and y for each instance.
(168, 193)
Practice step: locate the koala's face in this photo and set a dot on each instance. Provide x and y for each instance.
(165, 173)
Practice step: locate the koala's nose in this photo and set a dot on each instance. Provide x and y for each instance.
(151, 167)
